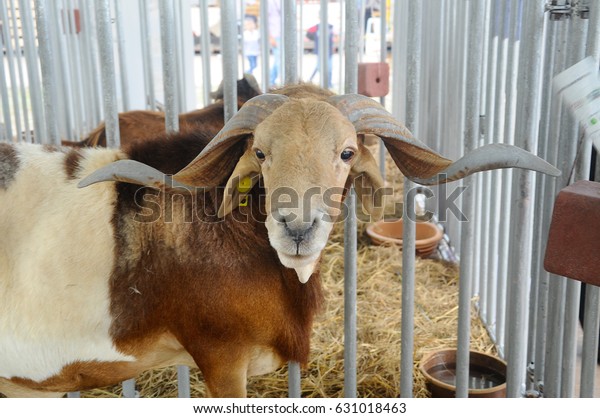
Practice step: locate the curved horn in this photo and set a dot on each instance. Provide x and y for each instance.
(130, 171)
(214, 164)
(418, 162)
(411, 156)
(491, 157)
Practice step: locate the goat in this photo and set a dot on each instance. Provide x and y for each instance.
(140, 125)
(204, 266)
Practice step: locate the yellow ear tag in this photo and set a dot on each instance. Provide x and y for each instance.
(244, 186)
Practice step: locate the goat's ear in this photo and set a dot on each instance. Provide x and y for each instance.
(368, 183)
(244, 177)
(212, 166)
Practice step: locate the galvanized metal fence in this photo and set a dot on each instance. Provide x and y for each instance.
(465, 73)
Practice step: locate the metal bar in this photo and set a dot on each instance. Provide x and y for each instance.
(591, 325)
(10, 58)
(265, 43)
(509, 135)
(413, 71)
(527, 129)
(290, 43)
(24, 106)
(350, 233)
(206, 50)
(35, 91)
(63, 71)
(539, 312)
(8, 130)
(576, 53)
(486, 178)
(122, 55)
(93, 73)
(383, 59)
(169, 65)
(229, 56)
(323, 47)
(294, 380)
(169, 69)
(547, 371)
(129, 390)
(48, 77)
(76, 60)
(473, 69)
(496, 176)
(146, 56)
(109, 87)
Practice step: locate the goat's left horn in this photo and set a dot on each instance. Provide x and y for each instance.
(417, 161)
(215, 163)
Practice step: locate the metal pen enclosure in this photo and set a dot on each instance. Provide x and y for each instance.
(464, 74)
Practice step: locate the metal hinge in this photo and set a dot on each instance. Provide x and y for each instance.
(560, 10)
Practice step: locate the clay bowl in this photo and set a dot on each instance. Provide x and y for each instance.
(487, 374)
(428, 235)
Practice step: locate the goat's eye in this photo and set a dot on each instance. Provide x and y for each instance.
(347, 155)
(259, 154)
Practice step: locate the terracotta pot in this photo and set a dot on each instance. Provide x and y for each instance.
(428, 235)
(487, 374)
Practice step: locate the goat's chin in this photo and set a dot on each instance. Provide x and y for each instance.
(303, 264)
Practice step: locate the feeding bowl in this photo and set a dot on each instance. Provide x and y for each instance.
(487, 374)
(428, 235)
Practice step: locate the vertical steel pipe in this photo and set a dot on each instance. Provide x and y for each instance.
(62, 70)
(146, 56)
(413, 72)
(577, 44)
(169, 69)
(350, 234)
(129, 385)
(48, 76)
(24, 107)
(383, 59)
(205, 49)
(591, 322)
(229, 52)
(122, 54)
(473, 70)
(290, 42)
(169, 65)
(109, 85)
(589, 354)
(8, 130)
(496, 176)
(31, 58)
(264, 44)
(509, 131)
(323, 47)
(10, 50)
(527, 128)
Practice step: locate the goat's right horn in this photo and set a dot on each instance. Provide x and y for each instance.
(418, 162)
(216, 161)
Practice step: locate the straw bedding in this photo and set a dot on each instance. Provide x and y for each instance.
(379, 295)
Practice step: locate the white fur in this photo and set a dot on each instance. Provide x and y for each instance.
(56, 255)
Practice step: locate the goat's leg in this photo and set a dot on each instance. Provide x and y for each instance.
(225, 372)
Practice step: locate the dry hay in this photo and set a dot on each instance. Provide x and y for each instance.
(379, 292)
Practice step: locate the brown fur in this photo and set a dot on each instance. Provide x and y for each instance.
(217, 286)
(9, 164)
(72, 161)
(140, 125)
